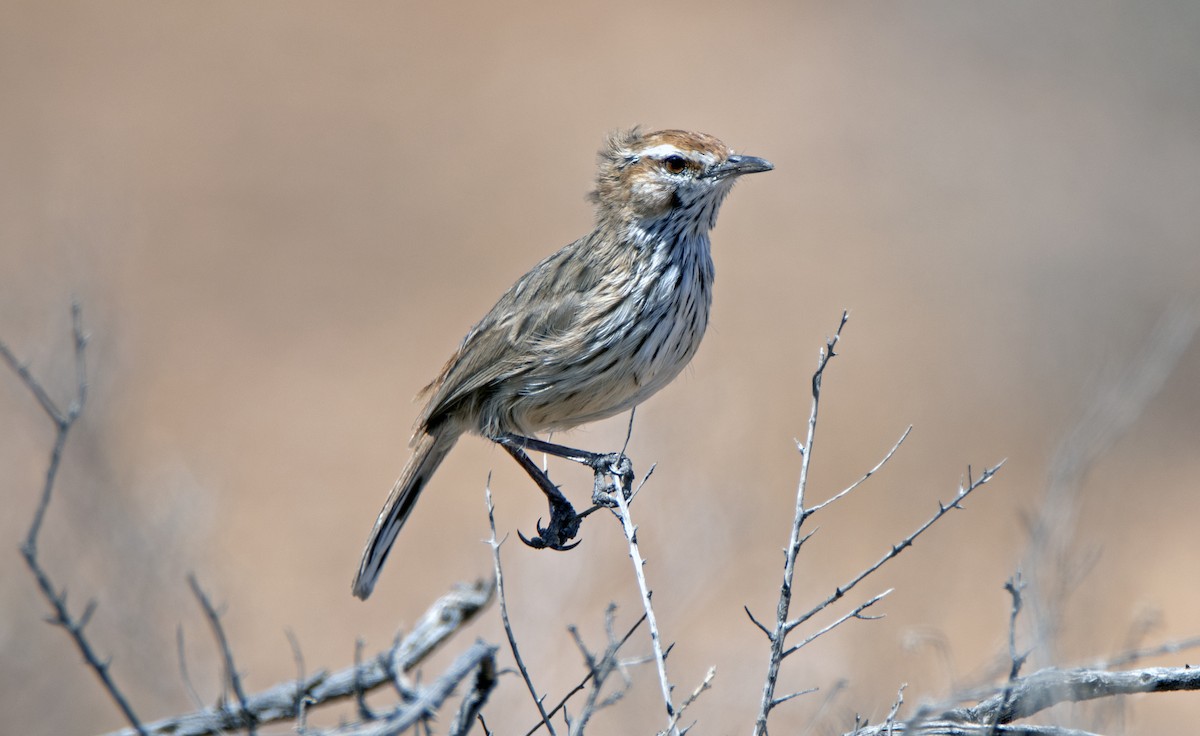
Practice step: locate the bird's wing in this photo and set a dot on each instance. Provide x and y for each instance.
(542, 306)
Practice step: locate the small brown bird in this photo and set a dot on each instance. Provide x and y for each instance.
(591, 331)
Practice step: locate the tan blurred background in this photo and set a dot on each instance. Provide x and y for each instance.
(281, 217)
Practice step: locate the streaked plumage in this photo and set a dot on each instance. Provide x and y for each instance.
(594, 329)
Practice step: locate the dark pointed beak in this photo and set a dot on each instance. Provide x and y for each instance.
(737, 165)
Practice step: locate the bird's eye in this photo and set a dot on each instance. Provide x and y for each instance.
(675, 163)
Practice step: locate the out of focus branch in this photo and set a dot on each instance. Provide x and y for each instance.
(1026, 696)
(64, 420)
(1052, 562)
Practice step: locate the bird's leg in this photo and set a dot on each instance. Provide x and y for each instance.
(564, 522)
(603, 464)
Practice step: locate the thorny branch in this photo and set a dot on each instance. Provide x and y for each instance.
(512, 639)
(785, 625)
(622, 512)
(778, 636)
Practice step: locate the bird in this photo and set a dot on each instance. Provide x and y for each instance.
(589, 332)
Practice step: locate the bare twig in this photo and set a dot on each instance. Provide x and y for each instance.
(586, 679)
(301, 699)
(814, 509)
(512, 639)
(890, 721)
(445, 617)
(64, 421)
(856, 613)
(622, 512)
(779, 635)
(360, 692)
(599, 669)
(1014, 586)
(184, 675)
(704, 685)
(783, 624)
(943, 509)
(232, 678)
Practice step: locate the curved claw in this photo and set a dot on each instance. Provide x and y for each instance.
(539, 542)
(536, 542)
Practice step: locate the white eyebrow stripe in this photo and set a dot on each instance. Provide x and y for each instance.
(662, 150)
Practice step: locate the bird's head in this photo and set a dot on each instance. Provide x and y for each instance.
(667, 175)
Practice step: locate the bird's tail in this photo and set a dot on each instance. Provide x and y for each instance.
(428, 454)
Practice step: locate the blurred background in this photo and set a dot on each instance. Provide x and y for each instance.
(281, 217)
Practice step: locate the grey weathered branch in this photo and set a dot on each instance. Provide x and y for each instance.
(494, 543)
(784, 625)
(479, 657)
(64, 421)
(1026, 696)
(446, 616)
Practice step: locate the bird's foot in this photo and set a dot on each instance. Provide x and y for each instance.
(564, 525)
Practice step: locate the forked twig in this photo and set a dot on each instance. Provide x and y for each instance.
(232, 678)
(778, 637)
(512, 639)
(586, 679)
(784, 625)
(64, 421)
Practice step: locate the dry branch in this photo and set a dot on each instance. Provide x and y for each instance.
(446, 616)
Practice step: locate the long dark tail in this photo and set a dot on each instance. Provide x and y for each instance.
(428, 454)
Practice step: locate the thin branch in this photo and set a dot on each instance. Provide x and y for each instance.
(599, 670)
(856, 613)
(890, 721)
(184, 675)
(360, 692)
(232, 677)
(298, 657)
(704, 685)
(512, 639)
(791, 696)
(879, 466)
(64, 421)
(622, 513)
(586, 679)
(758, 623)
(795, 541)
(904, 544)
